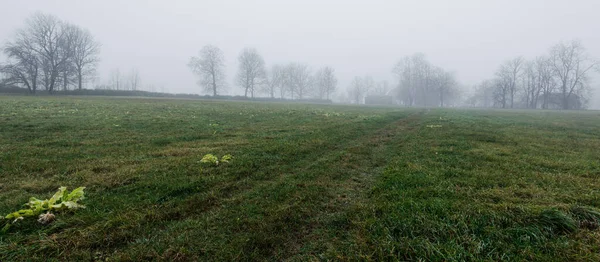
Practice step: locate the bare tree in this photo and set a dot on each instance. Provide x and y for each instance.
(134, 79)
(300, 80)
(511, 71)
(85, 55)
(382, 88)
(48, 52)
(445, 84)
(288, 80)
(571, 66)
(359, 88)
(116, 80)
(404, 72)
(275, 81)
(326, 82)
(546, 79)
(251, 70)
(51, 40)
(24, 64)
(501, 89)
(210, 67)
(415, 80)
(483, 96)
(507, 78)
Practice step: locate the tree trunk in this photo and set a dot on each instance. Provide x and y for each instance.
(214, 85)
(79, 80)
(64, 81)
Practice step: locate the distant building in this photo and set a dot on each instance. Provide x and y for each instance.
(555, 101)
(379, 100)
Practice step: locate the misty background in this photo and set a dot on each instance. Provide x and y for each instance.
(468, 37)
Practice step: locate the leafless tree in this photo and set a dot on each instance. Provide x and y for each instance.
(483, 96)
(382, 88)
(538, 80)
(300, 80)
(50, 52)
(404, 72)
(116, 80)
(571, 65)
(531, 84)
(511, 71)
(445, 84)
(51, 40)
(546, 79)
(507, 78)
(501, 89)
(359, 88)
(251, 70)
(24, 64)
(415, 80)
(85, 55)
(134, 79)
(275, 81)
(210, 68)
(326, 82)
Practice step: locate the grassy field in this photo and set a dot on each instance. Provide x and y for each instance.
(307, 182)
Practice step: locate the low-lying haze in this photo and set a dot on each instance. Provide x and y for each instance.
(357, 38)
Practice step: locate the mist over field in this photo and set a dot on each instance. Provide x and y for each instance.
(275, 130)
(470, 39)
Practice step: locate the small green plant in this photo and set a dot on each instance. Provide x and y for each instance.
(226, 158)
(213, 160)
(61, 200)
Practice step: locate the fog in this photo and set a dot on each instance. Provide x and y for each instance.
(471, 38)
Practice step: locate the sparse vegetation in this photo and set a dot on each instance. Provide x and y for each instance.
(308, 182)
(61, 200)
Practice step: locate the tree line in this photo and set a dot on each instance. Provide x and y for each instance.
(421, 83)
(293, 80)
(51, 54)
(558, 80)
(54, 55)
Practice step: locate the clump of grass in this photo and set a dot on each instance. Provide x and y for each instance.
(556, 221)
(587, 217)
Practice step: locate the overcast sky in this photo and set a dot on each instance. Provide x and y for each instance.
(469, 37)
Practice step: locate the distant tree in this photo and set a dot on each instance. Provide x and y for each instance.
(85, 55)
(51, 40)
(326, 82)
(116, 80)
(210, 68)
(134, 80)
(49, 52)
(275, 81)
(251, 70)
(415, 80)
(483, 95)
(538, 81)
(24, 65)
(507, 78)
(546, 80)
(382, 88)
(445, 85)
(359, 88)
(571, 65)
(300, 80)
(288, 80)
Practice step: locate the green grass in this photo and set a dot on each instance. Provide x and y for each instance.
(307, 182)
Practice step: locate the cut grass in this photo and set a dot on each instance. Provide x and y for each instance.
(307, 182)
